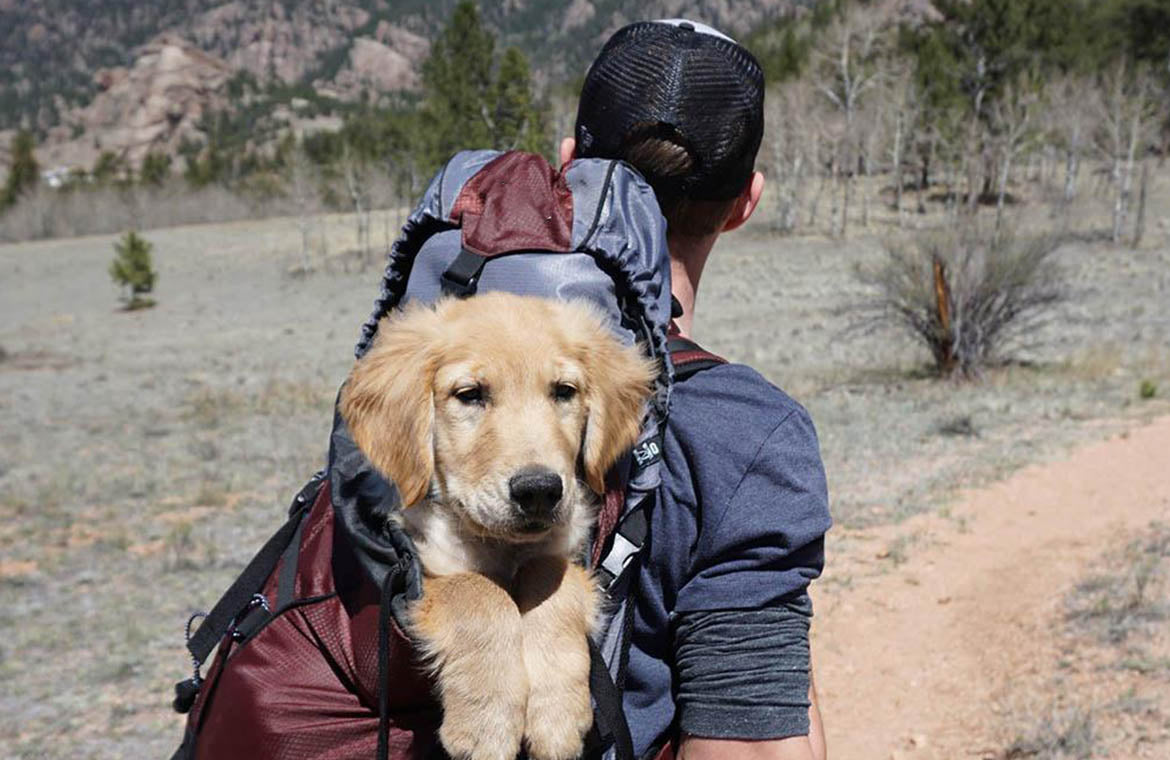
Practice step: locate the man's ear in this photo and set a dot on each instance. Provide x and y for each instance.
(387, 402)
(568, 150)
(746, 203)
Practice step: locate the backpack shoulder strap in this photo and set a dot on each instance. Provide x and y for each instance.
(216, 623)
(630, 533)
(689, 357)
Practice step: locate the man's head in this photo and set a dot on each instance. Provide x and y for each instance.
(683, 104)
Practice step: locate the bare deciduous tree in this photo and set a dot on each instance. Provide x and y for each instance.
(302, 188)
(1126, 111)
(1012, 117)
(356, 174)
(1070, 116)
(792, 129)
(848, 66)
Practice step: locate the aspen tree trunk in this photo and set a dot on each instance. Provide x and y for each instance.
(1139, 228)
(1005, 170)
(898, 125)
(790, 213)
(846, 192)
(1118, 200)
(1135, 128)
(1072, 165)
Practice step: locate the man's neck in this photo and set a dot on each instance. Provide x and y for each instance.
(688, 256)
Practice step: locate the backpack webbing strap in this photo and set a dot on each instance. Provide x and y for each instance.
(688, 357)
(216, 624)
(630, 534)
(610, 718)
(462, 277)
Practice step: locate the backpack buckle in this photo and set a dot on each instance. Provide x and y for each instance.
(620, 555)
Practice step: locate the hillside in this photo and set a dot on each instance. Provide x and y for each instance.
(118, 75)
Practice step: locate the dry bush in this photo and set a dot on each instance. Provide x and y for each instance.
(969, 296)
(1061, 734)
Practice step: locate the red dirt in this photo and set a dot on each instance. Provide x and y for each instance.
(929, 658)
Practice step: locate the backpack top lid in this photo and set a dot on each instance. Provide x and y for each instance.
(507, 211)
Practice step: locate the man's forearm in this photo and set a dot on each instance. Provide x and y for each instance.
(792, 748)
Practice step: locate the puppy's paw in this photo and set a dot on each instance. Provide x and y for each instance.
(558, 717)
(470, 634)
(557, 602)
(481, 729)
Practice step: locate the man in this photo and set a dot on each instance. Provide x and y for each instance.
(719, 657)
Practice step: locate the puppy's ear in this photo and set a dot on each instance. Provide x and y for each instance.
(619, 379)
(387, 401)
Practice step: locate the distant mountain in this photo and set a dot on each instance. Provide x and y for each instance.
(135, 75)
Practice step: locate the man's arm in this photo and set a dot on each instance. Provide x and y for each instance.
(811, 747)
(744, 678)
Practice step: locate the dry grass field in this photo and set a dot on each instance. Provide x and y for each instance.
(144, 456)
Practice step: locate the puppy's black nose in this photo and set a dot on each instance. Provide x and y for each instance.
(536, 490)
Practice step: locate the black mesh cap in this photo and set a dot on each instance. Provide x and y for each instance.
(681, 81)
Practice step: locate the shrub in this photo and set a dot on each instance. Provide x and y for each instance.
(1147, 390)
(23, 171)
(132, 269)
(967, 295)
(156, 168)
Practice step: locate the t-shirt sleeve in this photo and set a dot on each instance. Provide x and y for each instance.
(743, 674)
(761, 538)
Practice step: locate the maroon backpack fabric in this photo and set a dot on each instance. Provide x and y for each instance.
(305, 684)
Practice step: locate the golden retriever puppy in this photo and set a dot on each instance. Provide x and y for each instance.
(497, 418)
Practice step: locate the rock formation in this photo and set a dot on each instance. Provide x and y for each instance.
(152, 105)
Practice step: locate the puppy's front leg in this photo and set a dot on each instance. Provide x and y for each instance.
(558, 605)
(470, 629)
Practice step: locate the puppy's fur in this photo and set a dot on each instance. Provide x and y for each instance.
(497, 418)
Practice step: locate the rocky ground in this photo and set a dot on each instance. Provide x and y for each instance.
(144, 456)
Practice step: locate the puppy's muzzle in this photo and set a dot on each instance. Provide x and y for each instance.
(537, 492)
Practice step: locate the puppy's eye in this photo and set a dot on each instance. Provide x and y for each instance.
(470, 395)
(564, 392)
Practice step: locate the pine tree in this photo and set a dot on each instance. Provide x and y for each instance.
(132, 268)
(519, 120)
(109, 167)
(156, 168)
(457, 78)
(24, 172)
(978, 47)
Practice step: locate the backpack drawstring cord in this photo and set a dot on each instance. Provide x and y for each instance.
(196, 678)
(384, 667)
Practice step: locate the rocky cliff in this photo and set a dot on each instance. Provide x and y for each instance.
(130, 76)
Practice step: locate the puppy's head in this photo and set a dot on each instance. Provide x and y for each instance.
(490, 404)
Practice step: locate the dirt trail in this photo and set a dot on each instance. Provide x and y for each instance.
(918, 662)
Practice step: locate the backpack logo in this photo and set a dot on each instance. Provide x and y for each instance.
(647, 453)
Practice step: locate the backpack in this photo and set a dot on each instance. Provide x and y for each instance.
(312, 658)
